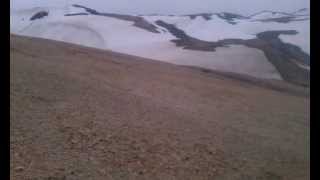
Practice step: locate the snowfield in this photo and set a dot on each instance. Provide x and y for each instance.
(218, 29)
(121, 36)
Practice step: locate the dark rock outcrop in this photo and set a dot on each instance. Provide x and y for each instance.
(39, 15)
(76, 14)
(138, 21)
(206, 16)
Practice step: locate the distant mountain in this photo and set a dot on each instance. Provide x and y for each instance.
(302, 12)
(269, 14)
(267, 44)
(282, 17)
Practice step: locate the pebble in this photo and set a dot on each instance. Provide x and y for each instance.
(19, 168)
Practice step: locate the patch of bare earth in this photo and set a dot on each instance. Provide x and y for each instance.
(81, 113)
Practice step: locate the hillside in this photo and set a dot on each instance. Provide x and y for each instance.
(265, 45)
(84, 113)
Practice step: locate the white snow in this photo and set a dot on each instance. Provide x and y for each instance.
(121, 36)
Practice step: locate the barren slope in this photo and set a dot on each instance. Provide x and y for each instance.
(82, 113)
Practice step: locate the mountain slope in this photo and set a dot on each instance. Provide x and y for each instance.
(84, 113)
(140, 35)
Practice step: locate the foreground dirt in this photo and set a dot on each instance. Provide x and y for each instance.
(80, 113)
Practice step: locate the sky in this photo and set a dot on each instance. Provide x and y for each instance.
(245, 7)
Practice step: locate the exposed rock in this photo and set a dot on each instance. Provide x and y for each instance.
(39, 15)
(138, 21)
(76, 14)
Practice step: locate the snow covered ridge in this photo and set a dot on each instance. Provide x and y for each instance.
(276, 16)
(219, 41)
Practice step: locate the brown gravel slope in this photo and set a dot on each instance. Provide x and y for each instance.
(80, 113)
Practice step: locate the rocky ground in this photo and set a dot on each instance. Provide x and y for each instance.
(81, 113)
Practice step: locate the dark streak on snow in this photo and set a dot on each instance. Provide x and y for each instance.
(206, 16)
(228, 17)
(39, 15)
(138, 21)
(187, 42)
(76, 14)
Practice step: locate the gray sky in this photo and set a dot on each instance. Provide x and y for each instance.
(244, 7)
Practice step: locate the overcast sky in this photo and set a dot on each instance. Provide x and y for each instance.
(244, 7)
